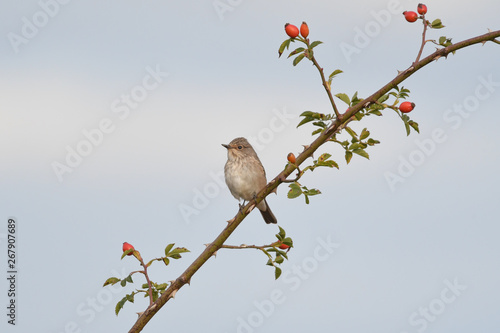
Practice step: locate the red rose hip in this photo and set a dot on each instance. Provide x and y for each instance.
(406, 107)
(422, 9)
(126, 247)
(304, 30)
(410, 16)
(283, 246)
(291, 30)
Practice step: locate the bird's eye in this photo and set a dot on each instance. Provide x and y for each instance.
(240, 147)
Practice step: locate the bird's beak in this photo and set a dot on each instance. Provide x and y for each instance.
(226, 146)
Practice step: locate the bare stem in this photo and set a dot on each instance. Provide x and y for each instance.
(145, 272)
(326, 86)
(423, 40)
(244, 246)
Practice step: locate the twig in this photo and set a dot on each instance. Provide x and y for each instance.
(145, 272)
(299, 175)
(326, 86)
(423, 40)
(244, 246)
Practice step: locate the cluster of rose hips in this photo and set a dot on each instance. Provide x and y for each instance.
(412, 16)
(293, 31)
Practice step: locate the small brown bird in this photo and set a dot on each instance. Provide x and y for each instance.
(245, 175)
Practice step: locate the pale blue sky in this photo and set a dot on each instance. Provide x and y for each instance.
(200, 78)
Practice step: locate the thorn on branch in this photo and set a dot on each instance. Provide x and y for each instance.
(172, 295)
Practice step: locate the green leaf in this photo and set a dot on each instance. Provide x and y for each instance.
(375, 112)
(111, 281)
(334, 73)
(166, 261)
(307, 198)
(298, 59)
(330, 164)
(305, 120)
(123, 283)
(344, 98)
(319, 130)
(282, 233)
(354, 99)
(355, 145)
(364, 134)
(288, 241)
(361, 152)
(348, 156)
(315, 43)
(320, 123)
(130, 297)
(312, 191)
(310, 116)
(129, 279)
(359, 115)
(120, 304)
(168, 248)
(323, 161)
(437, 24)
(414, 125)
(307, 114)
(383, 99)
(407, 125)
(277, 273)
(372, 142)
(162, 286)
(323, 157)
(279, 259)
(296, 51)
(175, 253)
(445, 41)
(351, 132)
(284, 45)
(295, 191)
(127, 253)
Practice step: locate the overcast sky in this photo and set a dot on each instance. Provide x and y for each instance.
(112, 119)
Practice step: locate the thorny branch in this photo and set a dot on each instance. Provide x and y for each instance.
(185, 277)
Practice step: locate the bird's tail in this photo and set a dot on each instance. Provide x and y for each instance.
(268, 215)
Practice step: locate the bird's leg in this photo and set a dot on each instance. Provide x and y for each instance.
(242, 205)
